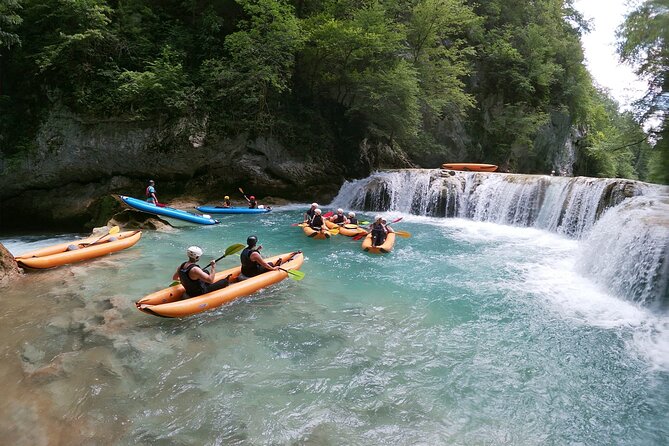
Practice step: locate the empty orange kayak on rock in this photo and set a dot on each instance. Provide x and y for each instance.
(385, 248)
(470, 167)
(88, 248)
(169, 303)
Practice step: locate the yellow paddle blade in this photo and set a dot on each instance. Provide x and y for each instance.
(334, 231)
(294, 274)
(404, 234)
(350, 226)
(114, 230)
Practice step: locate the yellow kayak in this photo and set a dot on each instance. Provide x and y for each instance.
(57, 255)
(348, 230)
(385, 248)
(168, 302)
(319, 235)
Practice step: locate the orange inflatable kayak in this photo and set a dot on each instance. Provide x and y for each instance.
(319, 235)
(348, 230)
(168, 302)
(385, 248)
(470, 167)
(88, 248)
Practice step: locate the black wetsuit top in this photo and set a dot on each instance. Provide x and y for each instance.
(193, 287)
(339, 219)
(316, 221)
(378, 233)
(253, 204)
(352, 221)
(249, 267)
(310, 213)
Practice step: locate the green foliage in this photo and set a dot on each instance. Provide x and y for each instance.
(644, 43)
(444, 80)
(9, 19)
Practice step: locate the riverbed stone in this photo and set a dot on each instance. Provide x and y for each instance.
(9, 269)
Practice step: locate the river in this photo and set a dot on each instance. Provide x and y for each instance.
(469, 332)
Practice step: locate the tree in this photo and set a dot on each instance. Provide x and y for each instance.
(643, 43)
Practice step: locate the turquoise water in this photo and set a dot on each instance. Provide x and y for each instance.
(468, 333)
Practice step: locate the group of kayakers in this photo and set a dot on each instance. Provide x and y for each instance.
(379, 228)
(151, 197)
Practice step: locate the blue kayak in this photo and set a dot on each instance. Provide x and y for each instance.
(178, 214)
(216, 210)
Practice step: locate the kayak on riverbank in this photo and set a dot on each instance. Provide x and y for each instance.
(232, 210)
(168, 303)
(89, 248)
(166, 211)
(470, 167)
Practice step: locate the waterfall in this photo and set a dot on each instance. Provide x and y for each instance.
(625, 222)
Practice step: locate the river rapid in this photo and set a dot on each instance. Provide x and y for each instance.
(469, 332)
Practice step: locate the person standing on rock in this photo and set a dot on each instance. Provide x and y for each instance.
(151, 193)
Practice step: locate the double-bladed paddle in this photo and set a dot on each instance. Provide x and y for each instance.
(113, 230)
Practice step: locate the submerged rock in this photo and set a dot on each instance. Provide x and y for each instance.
(9, 269)
(129, 220)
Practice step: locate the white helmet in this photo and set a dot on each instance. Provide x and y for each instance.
(318, 211)
(351, 214)
(377, 218)
(194, 252)
(340, 211)
(314, 205)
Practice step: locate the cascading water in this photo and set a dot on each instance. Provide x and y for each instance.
(624, 222)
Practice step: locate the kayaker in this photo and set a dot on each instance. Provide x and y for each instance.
(339, 217)
(310, 212)
(252, 262)
(352, 219)
(316, 221)
(253, 204)
(379, 231)
(151, 193)
(195, 280)
(226, 202)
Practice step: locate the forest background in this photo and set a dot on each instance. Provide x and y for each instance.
(495, 81)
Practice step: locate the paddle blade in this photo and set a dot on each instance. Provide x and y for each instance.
(161, 205)
(176, 282)
(294, 274)
(114, 230)
(363, 223)
(404, 234)
(242, 191)
(359, 236)
(334, 231)
(397, 219)
(328, 214)
(233, 249)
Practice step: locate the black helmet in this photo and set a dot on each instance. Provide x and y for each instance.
(252, 240)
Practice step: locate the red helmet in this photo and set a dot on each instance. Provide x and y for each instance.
(252, 197)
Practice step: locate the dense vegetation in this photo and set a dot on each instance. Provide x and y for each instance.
(457, 80)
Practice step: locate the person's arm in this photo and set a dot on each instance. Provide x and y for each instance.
(203, 276)
(175, 276)
(256, 257)
(389, 229)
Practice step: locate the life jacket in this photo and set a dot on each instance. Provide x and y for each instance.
(253, 204)
(227, 204)
(316, 221)
(379, 232)
(310, 213)
(193, 287)
(339, 219)
(353, 221)
(249, 267)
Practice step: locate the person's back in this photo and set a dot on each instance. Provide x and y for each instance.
(378, 231)
(196, 280)
(253, 204)
(310, 212)
(352, 219)
(252, 262)
(226, 202)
